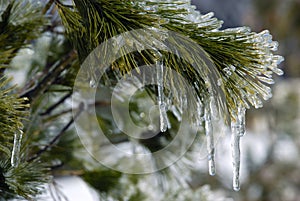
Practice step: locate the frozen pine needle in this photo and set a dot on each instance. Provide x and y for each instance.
(243, 62)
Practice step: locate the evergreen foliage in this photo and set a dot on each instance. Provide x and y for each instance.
(251, 65)
(244, 62)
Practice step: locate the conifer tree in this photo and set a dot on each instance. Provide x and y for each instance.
(203, 76)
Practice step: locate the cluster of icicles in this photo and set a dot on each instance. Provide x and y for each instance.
(267, 65)
(264, 66)
(205, 114)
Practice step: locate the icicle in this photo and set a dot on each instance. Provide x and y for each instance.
(235, 146)
(161, 102)
(200, 113)
(238, 130)
(213, 108)
(210, 141)
(241, 121)
(15, 154)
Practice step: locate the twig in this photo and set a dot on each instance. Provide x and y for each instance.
(57, 2)
(54, 140)
(47, 6)
(50, 109)
(50, 77)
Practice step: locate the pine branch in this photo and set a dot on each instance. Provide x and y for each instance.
(244, 59)
(51, 108)
(242, 62)
(12, 113)
(26, 180)
(50, 77)
(20, 23)
(229, 70)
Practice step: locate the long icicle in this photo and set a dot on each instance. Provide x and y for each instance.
(238, 130)
(161, 102)
(15, 154)
(235, 146)
(210, 141)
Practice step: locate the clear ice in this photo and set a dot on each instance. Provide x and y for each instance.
(161, 99)
(238, 130)
(210, 141)
(266, 65)
(15, 154)
(235, 146)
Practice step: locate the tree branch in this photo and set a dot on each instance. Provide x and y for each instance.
(50, 78)
(59, 135)
(51, 108)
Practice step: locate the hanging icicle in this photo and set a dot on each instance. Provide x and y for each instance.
(209, 140)
(241, 120)
(15, 154)
(200, 113)
(161, 99)
(238, 130)
(235, 146)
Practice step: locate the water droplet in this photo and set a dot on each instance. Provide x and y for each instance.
(220, 82)
(278, 59)
(142, 114)
(15, 154)
(92, 83)
(161, 102)
(274, 46)
(229, 70)
(278, 71)
(150, 127)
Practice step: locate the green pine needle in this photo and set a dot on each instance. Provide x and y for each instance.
(25, 181)
(13, 111)
(243, 60)
(20, 22)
